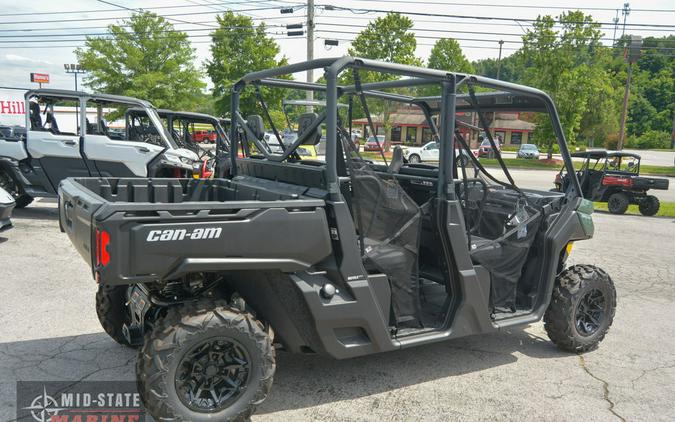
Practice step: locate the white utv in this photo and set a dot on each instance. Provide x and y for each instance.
(77, 134)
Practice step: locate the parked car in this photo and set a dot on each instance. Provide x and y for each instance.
(307, 152)
(614, 177)
(430, 152)
(485, 149)
(206, 136)
(374, 144)
(528, 151)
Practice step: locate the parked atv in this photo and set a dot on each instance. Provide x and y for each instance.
(342, 257)
(74, 140)
(614, 177)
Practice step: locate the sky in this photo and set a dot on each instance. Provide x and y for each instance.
(33, 38)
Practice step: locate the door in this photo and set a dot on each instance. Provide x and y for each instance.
(58, 154)
(430, 152)
(128, 154)
(53, 138)
(114, 158)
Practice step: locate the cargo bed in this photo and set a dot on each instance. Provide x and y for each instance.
(133, 230)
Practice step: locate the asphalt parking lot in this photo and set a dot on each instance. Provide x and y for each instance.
(50, 332)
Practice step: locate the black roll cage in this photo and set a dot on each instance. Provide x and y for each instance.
(514, 97)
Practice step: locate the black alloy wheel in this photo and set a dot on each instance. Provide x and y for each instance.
(590, 312)
(213, 375)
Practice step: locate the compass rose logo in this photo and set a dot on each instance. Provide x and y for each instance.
(43, 407)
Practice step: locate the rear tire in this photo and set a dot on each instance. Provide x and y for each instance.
(618, 203)
(203, 350)
(582, 308)
(649, 205)
(113, 312)
(414, 159)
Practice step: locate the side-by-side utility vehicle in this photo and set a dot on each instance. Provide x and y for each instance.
(70, 135)
(614, 177)
(186, 128)
(344, 257)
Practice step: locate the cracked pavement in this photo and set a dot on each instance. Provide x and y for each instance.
(50, 331)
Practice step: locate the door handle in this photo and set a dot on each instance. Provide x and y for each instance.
(69, 142)
(143, 149)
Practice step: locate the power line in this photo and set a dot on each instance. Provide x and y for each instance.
(128, 26)
(76, 12)
(514, 6)
(125, 17)
(497, 18)
(455, 22)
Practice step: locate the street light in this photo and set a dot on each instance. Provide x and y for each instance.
(75, 69)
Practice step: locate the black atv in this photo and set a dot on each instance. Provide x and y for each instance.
(614, 177)
(342, 257)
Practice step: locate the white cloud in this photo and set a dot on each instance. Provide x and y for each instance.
(17, 58)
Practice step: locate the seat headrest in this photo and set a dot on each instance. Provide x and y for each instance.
(304, 122)
(255, 123)
(396, 160)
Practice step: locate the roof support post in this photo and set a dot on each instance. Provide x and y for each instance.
(447, 141)
(234, 139)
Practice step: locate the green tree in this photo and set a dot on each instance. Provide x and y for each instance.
(510, 68)
(448, 55)
(652, 103)
(569, 65)
(143, 57)
(388, 39)
(238, 47)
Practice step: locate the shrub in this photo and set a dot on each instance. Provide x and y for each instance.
(651, 139)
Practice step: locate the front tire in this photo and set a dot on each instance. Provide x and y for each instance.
(112, 311)
(649, 205)
(618, 203)
(582, 308)
(205, 361)
(414, 159)
(7, 182)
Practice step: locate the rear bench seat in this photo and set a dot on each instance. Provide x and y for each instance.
(279, 181)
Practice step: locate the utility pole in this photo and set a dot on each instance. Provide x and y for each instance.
(632, 55)
(616, 23)
(310, 47)
(499, 60)
(625, 12)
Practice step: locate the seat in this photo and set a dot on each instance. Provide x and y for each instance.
(396, 160)
(256, 125)
(305, 121)
(51, 120)
(104, 127)
(35, 119)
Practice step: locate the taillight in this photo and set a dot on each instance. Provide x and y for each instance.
(102, 242)
(617, 181)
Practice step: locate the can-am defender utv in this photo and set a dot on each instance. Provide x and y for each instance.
(614, 177)
(76, 139)
(184, 127)
(344, 257)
